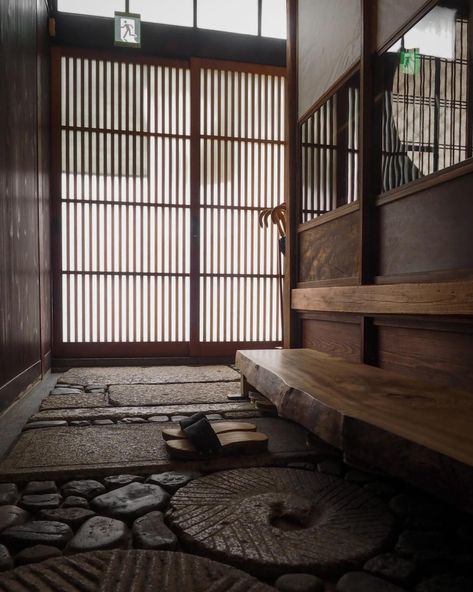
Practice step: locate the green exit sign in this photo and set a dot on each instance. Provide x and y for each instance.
(127, 29)
(409, 60)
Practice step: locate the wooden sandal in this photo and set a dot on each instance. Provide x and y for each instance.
(230, 443)
(220, 427)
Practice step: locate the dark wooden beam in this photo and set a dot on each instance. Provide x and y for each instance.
(290, 333)
(73, 30)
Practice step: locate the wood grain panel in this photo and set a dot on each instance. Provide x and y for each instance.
(428, 231)
(330, 251)
(444, 356)
(23, 226)
(340, 338)
(447, 298)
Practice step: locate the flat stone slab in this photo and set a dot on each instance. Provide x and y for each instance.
(83, 401)
(99, 533)
(12, 516)
(8, 493)
(73, 517)
(64, 453)
(130, 571)
(36, 554)
(132, 501)
(358, 581)
(147, 375)
(87, 488)
(150, 532)
(117, 413)
(271, 521)
(172, 394)
(38, 532)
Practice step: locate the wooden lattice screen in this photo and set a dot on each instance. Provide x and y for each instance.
(161, 170)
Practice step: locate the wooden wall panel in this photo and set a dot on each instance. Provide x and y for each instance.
(329, 251)
(20, 333)
(335, 336)
(329, 43)
(428, 231)
(437, 352)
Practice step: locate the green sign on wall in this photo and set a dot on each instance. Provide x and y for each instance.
(127, 29)
(409, 60)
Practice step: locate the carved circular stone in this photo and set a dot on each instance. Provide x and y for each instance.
(272, 521)
(129, 571)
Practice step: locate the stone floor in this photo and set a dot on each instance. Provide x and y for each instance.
(90, 473)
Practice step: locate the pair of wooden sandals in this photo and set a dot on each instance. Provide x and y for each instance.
(198, 438)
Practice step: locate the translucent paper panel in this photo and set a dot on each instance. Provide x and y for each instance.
(92, 7)
(174, 12)
(242, 155)
(273, 23)
(125, 191)
(228, 15)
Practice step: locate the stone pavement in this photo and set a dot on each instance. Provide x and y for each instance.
(90, 473)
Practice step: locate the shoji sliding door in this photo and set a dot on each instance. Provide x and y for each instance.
(161, 169)
(241, 172)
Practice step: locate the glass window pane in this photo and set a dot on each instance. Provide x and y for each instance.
(424, 100)
(228, 15)
(273, 22)
(92, 7)
(174, 12)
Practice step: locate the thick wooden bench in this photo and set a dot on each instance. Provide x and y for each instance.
(410, 429)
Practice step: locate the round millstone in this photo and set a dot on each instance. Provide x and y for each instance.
(272, 521)
(130, 571)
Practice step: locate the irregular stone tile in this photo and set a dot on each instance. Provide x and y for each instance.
(49, 423)
(73, 517)
(123, 448)
(36, 554)
(422, 546)
(172, 394)
(148, 375)
(140, 571)
(158, 418)
(132, 420)
(8, 493)
(132, 501)
(177, 418)
(11, 516)
(299, 582)
(83, 400)
(392, 567)
(41, 501)
(273, 521)
(357, 581)
(214, 416)
(446, 583)
(331, 467)
(429, 517)
(65, 390)
(38, 532)
(99, 390)
(150, 532)
(99, 533)
(37, 487)
(117, 413)
(116, 481)
(6, 561)
(88, 488)
(75, 501)
(102, 422)
(80, 423)
(171, 481)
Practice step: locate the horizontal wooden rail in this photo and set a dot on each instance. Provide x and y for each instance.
(446, 298)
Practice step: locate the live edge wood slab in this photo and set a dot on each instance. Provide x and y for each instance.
(413, 430)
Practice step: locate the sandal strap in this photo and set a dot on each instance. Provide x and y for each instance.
(185, 423)
(202, 436)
